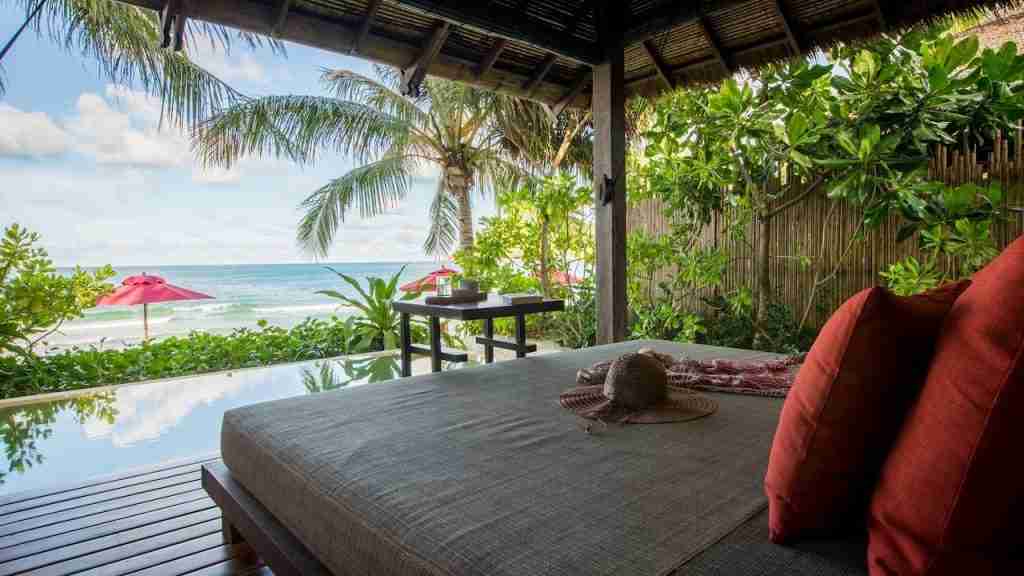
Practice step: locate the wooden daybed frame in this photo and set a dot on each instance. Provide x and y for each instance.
(247, 521)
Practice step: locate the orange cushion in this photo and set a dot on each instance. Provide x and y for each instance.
(846, 408)
(953, 487)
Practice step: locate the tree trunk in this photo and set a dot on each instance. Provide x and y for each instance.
(545, 256)
(459, 183)
(763, 276)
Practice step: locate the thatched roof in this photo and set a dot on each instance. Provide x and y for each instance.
(544, 48)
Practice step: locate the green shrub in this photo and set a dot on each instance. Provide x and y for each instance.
(196, 353)
(731, 325)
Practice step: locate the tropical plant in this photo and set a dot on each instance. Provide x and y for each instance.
(125, 41)
(377, 326)
(450, 127)
(35, 300)
(372, 369)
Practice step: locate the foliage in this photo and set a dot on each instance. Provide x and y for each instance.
(507, 256)
(576, 327)
(857, 129)
(378, 326)
(124, 40)
(34, 299)
(451, 126)
(199, 352)
(660, 320)
(912, 277)
(729, 322)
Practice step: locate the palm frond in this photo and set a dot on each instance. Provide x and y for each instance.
(371, 189)
(355, 87)
(298, 127)
(124, 40)
(444, 223)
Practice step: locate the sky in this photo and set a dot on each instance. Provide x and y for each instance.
(87, 165)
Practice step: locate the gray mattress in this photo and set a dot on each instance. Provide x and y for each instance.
(479, 471)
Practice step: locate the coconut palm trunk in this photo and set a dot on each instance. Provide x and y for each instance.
(459, 184)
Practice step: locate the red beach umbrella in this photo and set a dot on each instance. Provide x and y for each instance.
(146, 290)
(565, 278)
(429, 282)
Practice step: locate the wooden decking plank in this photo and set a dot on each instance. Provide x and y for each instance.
(40, 545)
(44, 506)
(233, 567)
(120, 540)
(235, 556)
(161, 561)
(76, 493)
(196, 462)
(100, 560)
(54, 529)
(43, 519)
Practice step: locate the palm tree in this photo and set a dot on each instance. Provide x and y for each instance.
(451, 126)
(125, 42)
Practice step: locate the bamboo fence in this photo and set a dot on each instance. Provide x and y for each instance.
(809, 231)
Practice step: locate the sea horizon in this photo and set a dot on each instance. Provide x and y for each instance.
(243, 294)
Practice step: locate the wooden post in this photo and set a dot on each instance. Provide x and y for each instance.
(405, 332)
(609, 112)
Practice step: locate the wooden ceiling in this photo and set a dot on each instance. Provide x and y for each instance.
(543, 49)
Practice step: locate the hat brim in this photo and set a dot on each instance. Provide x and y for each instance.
(680, 405)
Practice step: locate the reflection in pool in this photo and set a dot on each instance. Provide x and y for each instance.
(138, 425)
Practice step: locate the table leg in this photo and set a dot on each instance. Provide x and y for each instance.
(435, 344)
(521, 336)
(405, 334)
(489, 334)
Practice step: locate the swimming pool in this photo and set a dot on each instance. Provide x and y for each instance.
(62, 441)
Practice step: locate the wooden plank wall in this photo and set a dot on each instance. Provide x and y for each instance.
(807, 229)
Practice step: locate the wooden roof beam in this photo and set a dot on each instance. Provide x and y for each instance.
(497, 47)
(337, 36)
(795, 47)
(508, 23)
(172, 24)
(366, 24)
(663, 71)
(538, 76)
(577, 88)
(281, 9)
(716, 46)
(413, 75)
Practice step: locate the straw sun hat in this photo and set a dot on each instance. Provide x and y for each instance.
(636, 391)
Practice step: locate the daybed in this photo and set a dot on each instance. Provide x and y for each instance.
(480, 471)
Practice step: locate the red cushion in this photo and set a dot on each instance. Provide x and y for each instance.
(846, 408)
(954, 482)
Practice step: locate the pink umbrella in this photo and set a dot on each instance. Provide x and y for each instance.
(429, 282)
(565, 278)
(146, 290)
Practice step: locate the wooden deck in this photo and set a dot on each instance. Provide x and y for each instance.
(156, 521)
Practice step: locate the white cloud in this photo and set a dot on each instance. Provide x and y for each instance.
(31, 134)
(229, 67)
(216, 174)
(124, 128)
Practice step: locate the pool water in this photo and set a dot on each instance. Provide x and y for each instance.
(62, 441)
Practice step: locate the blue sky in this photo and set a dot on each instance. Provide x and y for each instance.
(86, 164)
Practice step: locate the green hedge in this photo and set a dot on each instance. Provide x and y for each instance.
(196, 353)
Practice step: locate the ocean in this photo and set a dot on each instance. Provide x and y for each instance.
(282, 294)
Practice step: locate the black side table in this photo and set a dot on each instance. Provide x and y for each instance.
(488, 310)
